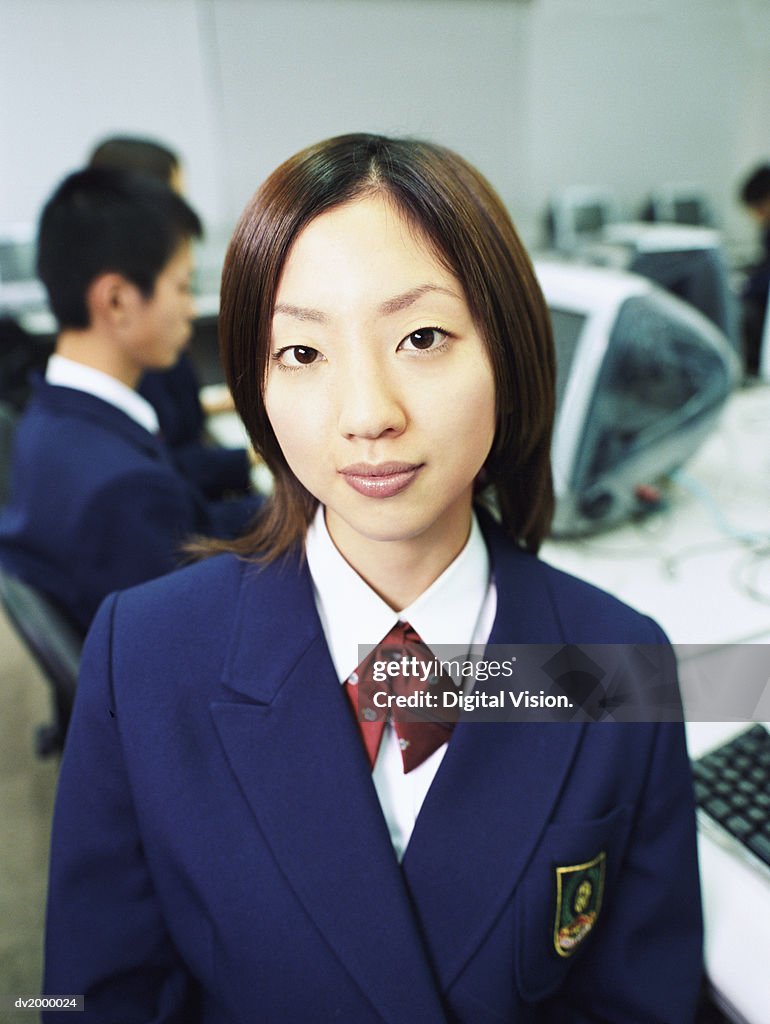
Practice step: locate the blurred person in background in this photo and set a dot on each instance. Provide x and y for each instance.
(96, 502)
(755, 195)
(175, 393)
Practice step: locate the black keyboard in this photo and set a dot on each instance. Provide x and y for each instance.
(732, 788)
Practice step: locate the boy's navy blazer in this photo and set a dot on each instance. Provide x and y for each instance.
(220, 854)
(174, 394)
(95, 502)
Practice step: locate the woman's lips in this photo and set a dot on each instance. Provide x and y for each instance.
(382, 480)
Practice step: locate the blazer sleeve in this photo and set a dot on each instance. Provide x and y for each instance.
(216, 471)
(646, 963)
(105, 934)
(133, 530)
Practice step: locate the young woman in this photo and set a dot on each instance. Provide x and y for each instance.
(228, 845)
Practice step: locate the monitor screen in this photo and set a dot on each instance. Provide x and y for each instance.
(567, 328)
(689, 211)
(661, 374)
(590, 219)
(578, 214)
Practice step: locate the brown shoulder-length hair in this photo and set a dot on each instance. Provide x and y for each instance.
(452, 205)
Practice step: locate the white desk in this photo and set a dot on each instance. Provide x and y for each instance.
(736, 903)
(707, 587)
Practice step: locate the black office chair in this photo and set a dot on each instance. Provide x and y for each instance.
(22, 355)
(55, 645)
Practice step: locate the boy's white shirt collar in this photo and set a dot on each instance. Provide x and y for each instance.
(68, 373)
(352, 614)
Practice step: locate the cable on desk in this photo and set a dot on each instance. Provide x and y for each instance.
(753, 560)
(721, 521)
(650, 529)
(743, 573)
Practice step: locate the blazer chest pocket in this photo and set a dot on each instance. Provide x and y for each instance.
(563, 896)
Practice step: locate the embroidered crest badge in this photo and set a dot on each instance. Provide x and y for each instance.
(579, 891)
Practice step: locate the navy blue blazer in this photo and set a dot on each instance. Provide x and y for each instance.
(95, 503)
(174, 394)
(220, 855)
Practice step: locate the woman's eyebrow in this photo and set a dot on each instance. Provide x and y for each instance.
(399, 302)
(301, 313)
(386, 308)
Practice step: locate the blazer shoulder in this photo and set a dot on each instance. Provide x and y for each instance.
(201, 587)
(184, 627)
(205, 596)
(586, 610)
(542, 603)
(78, 434)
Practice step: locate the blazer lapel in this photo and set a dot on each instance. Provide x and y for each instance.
(494, 792)
(294, 747)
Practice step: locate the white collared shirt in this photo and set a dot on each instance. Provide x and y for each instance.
(458, 608)
(68, 373)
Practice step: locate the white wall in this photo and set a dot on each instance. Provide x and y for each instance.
(624, 93)
(73, 71)
(630, 93)
(298, 71)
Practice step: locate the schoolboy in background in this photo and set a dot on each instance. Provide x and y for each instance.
(96, 503)
(174, 393)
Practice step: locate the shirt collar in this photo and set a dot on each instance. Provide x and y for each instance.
(352, 614)
(68, 373)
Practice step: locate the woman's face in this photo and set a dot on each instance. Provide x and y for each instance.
(379, 387)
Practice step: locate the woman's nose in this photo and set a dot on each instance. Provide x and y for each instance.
(369, 403)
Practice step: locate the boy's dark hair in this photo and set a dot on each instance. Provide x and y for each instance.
(756, 188)
(102, 221)
(130, 153)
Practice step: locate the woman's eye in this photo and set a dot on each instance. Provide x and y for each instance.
(423, 339)
(297, 355)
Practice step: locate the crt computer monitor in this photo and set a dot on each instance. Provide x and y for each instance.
(641, 378)
(687, 261)
(578, 215)
(680, 204)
